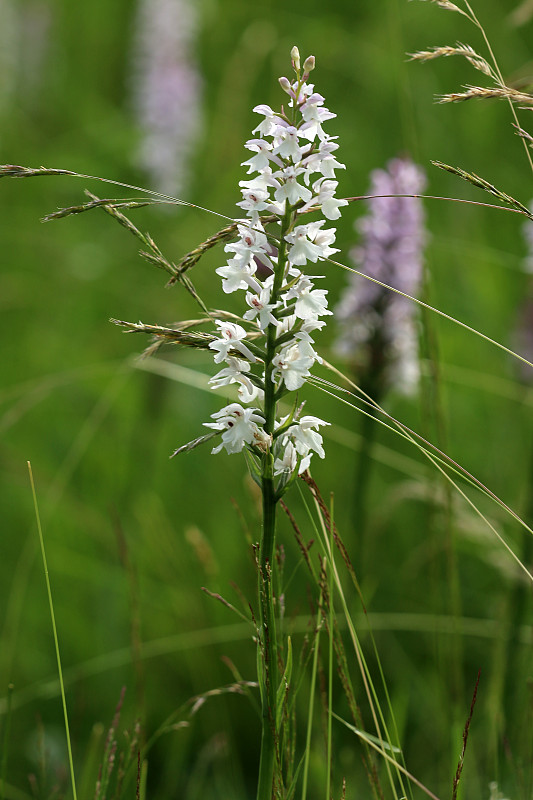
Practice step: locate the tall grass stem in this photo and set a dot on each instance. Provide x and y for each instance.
(54, 629)
(311, 705)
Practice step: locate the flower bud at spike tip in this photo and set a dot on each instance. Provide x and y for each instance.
(295, 56)
(309, 64)
(285, 85)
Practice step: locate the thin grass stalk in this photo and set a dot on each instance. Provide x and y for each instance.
(439, 460)
(340, 652)
(332, 626)
(518, 602)
(458, 773)
(363, 471)
(373, 700)
(54, 629)
(389, 759)
(314, 671)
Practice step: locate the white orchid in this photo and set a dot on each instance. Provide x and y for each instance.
(291, 170)
(231, 338)
(293, 364)
(239, 426)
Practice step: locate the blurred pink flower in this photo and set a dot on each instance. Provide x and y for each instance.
(167, 89)
(377, 326)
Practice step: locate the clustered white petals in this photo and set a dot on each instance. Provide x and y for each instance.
(310, 303)
(260, 308)
(230, 339)
(300, 441)
(236, 372)
(292, 365)
(291, 171)
(239, 427)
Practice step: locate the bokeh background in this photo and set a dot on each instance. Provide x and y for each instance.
(131, 536)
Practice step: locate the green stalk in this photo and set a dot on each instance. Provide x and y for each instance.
(54, 628)
(269, 677)
(363, 473)
(311, 705)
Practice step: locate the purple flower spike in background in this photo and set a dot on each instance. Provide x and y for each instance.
(378, 327)
(166, 91)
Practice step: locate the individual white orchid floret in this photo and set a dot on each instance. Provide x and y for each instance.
(305, 435)
(252, 242)
(322, 239)
(231, 338)
(235, 367)
(290, 189)
(263, 180)
(261, 308)
(301, 439)
(320, 159)
(293, 363)
(303, 249)
(253, 201)
(248, 391)
(263, 155)
(286, 143)
(235, 372)
(271, 121)
(315, 114)
(324, 191)
(239, 426)
(310, 302)
(289, 459)
(256, 195)
(308, 326)
(306, 90)
(238, 274)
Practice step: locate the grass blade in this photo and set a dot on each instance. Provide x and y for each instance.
(54, 628)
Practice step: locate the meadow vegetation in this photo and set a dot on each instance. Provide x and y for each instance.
(411, 611)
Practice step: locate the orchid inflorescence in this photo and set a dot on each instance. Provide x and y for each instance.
(377, 325)
(293, 174)
(166, 90)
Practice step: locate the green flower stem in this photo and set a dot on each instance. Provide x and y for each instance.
(268, 678)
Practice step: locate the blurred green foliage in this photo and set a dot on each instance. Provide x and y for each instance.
(132, 536)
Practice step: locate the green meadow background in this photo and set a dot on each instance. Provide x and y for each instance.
(132, 536)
